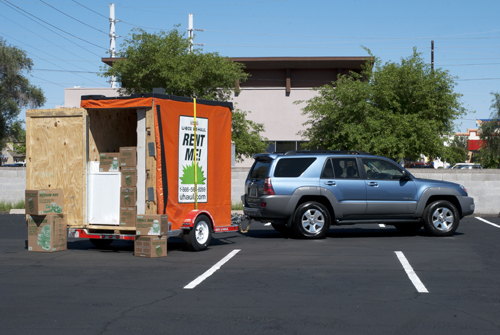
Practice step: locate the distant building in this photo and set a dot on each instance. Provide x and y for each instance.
(10, 156)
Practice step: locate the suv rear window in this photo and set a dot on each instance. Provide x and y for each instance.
(292, 167)
(259, 169)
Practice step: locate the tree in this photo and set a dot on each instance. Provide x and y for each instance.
(18, 137)
(16, 92)
(394, 110)
(246, 135)
(489, 133)
(163, 60)
(456, 152)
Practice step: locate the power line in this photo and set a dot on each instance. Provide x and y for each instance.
(90, 9)
(88, 25)
(20, 9)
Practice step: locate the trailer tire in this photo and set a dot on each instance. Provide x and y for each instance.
(199, 237)
(101, 243)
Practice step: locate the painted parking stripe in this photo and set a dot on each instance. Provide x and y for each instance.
(211, 271)
(411, 274)
(488, 222)
(381, 225)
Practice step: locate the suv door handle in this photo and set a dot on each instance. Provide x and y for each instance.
(373, 184)
(330, 183)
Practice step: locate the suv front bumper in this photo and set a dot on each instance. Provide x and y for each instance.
(467, 205)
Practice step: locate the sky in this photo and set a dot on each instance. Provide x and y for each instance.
(66, 39)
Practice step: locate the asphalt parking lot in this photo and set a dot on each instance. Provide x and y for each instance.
(362, 279)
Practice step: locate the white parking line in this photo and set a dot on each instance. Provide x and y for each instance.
(211, 271)
(381, 225)
(411, 274)
(488, 222)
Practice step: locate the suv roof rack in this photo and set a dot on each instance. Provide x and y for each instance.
(315, 152)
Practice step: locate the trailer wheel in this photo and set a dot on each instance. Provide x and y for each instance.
(101, 243)
(199, 237)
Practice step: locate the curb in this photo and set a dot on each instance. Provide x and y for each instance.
(17, 211)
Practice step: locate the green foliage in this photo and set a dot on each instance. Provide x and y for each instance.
(7, 206)
(237, 206)
(457, 151)
(18, 137)
(394, 110)
(246, 136)
(16, 92)
(489, 133)
(163, 60)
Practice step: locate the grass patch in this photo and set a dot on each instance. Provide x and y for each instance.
(237, 206)
(7, 206)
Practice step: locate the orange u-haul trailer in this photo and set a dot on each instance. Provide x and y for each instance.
(183, 163)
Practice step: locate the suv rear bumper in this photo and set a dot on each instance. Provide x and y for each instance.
(467, 205)
(271, 207)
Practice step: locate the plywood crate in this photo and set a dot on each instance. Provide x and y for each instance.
(60, 143)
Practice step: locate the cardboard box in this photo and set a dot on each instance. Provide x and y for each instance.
(42, 202)
(150, 246)
(128, 196)
(128, 216)
(152, 224)
(128, 156)
(109, 161)
(129, 176)
(47, 233)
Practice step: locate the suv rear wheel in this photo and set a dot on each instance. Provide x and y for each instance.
(311, 220)
(441, 218)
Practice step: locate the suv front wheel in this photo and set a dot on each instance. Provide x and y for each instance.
(441, 218)
(311, 220)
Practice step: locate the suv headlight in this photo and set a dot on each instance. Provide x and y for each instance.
(463, 188)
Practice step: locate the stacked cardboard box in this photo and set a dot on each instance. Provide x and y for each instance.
(47, 226)
(47, 233)
(109, 162)
(151, 236)
(128, 192)
(42, 202)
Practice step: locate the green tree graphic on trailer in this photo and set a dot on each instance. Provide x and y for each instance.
(188, 174)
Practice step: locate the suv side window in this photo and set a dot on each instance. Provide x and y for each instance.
(340, 168)
(381, 169)
(292, 167)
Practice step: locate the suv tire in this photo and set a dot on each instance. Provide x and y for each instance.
(311, 220)
(441, 218)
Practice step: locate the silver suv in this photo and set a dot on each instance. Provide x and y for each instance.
(307, 192)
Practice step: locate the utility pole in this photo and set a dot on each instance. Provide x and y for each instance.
(432, 55)
(190, 33)
(112, 37)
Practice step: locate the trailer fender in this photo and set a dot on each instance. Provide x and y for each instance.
(193, 215)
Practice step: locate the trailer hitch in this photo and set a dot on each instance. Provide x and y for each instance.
(238, 219)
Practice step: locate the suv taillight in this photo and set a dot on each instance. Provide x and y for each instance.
(268, 187)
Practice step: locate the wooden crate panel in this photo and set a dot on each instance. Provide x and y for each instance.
(56, 160)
